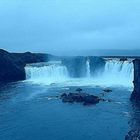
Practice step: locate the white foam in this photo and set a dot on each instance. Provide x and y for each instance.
(116, 73)
(49, 74)
(88, 68)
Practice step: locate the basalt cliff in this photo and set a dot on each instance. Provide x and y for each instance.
(12, 64)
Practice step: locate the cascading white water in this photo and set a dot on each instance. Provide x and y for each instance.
(115, 73)
(118, 72)
(88, 69)
(53, 73)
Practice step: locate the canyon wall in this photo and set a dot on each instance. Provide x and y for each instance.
(136, 93)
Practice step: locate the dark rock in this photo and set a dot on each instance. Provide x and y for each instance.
(84, 98)
(136, 93)
(63, 95)
(91, 99)
(133, 135)
(107, 90)
(79, 90)
(110, 100)
(104, 100)
(77, 97)
(123, 59)
(12, 64)
(135, 96)
(67, 98)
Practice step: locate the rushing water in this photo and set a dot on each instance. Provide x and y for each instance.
(118, 72)
(52, 73)
(30, 111)
(115, 73)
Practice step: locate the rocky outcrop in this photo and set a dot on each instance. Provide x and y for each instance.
(12, 64)
(133, 135)
(136, 93)
(84, 98)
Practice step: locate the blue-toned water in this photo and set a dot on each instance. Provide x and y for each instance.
(29, 110)
(27, 114)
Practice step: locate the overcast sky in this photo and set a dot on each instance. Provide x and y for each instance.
(70, 26)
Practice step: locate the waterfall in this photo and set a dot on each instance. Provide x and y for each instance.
(51, 73)
(113, 72)
(118, 72)
(88, 68)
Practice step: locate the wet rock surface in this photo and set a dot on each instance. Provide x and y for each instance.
(133, 135)
(84, 98)
(136, 93)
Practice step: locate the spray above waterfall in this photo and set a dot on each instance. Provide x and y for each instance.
(114, 72)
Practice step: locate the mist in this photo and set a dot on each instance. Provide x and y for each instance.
(72, 27)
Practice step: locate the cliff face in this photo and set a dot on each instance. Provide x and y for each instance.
(136, 93)
(77, 66)
(12, 64)
(96, 65)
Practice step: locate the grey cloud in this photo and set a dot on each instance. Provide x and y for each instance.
(66, 27)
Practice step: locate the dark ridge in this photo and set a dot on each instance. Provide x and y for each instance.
(136, 93)
(12, 64)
